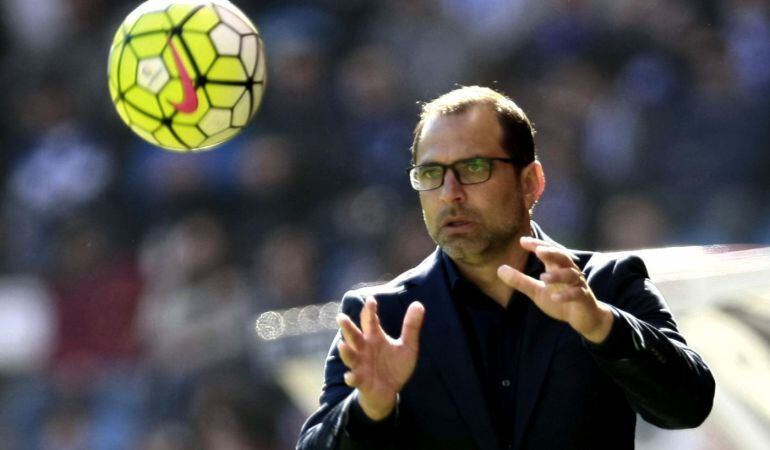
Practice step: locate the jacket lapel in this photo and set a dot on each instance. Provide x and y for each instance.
(443, 339)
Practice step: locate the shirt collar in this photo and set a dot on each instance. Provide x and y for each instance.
(533, 267)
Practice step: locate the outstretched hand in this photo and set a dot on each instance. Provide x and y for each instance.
(379, 364)
(562, 291)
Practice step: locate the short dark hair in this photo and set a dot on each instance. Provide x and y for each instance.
(518, 132)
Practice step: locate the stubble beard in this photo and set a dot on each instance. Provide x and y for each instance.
(484, 243)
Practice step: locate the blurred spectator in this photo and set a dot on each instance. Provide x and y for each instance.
(630, 222)
(408, 243)
(59, 168)
(377, 126)
(66, 427)
(268, 173)
(747, 33)
(497, 27)
(194, 315)
(36, 26)
(231, 413)
(285, 268)
(433, 51)
(168, 436)
(157, 181)
(96, 291)
(299, 101)
(27, 320)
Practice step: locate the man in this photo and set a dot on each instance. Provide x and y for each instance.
(524, 345)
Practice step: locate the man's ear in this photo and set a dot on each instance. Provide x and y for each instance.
(532, 183)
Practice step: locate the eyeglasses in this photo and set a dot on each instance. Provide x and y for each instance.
(426, 177)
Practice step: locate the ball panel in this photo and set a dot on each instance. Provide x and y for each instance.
(165, 100)
(249, 53)
(178, 12)
(227, 68)
(119, 105)
(260, 75)
(204, 20)
(114, 94)
(157, 21)
(119, 37)
(204, 54)
(226, 40)
(139, 118)
(145, 101)
(222, 95)
(146, 135)
(215, 121)
(218, 138)
(190, 134)
(236, 19)
(152, 74)
(112, 65)
(149, 45)
(241, 111)
(166, 138)
(127, 65)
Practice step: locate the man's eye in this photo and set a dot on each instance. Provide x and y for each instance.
(476, 166)
(430, 173)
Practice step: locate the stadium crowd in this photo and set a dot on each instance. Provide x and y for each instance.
(131, 276)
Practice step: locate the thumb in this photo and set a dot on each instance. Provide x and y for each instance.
(410, 330)
(518, 280)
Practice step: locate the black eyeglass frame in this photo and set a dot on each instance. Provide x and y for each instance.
(454, 170)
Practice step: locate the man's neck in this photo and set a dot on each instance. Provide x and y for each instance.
(484, 275)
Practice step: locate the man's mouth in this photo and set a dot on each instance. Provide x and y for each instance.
(457, 224)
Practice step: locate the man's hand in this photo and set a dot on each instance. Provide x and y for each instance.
(562, 291)
(379, 365)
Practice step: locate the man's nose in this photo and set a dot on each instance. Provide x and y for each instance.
(452, 191)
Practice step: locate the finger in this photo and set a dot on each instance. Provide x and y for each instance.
(535, 245)
(554, 257)
(531, 244)
(370, 323)
(569, 294)
(348, 355)
(350, 379)
(410, 330)
(568, 276)
(517, 280)
(350, 332)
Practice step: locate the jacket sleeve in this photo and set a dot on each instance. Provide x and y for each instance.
(665, 381)
(340, 423)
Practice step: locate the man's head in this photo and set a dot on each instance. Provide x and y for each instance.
(474, 149)
(518, 138)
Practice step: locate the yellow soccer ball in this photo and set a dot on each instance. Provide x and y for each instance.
(186, 74)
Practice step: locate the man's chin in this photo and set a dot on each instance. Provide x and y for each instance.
(462, 248)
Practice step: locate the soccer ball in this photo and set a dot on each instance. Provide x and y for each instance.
(186, 74)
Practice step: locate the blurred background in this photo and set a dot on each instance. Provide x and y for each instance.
(131, 279)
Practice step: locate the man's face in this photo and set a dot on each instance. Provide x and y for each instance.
(475, 222)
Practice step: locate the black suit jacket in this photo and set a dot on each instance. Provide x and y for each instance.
(570, 394)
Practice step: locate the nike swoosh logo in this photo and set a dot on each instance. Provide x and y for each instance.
(189, 103)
